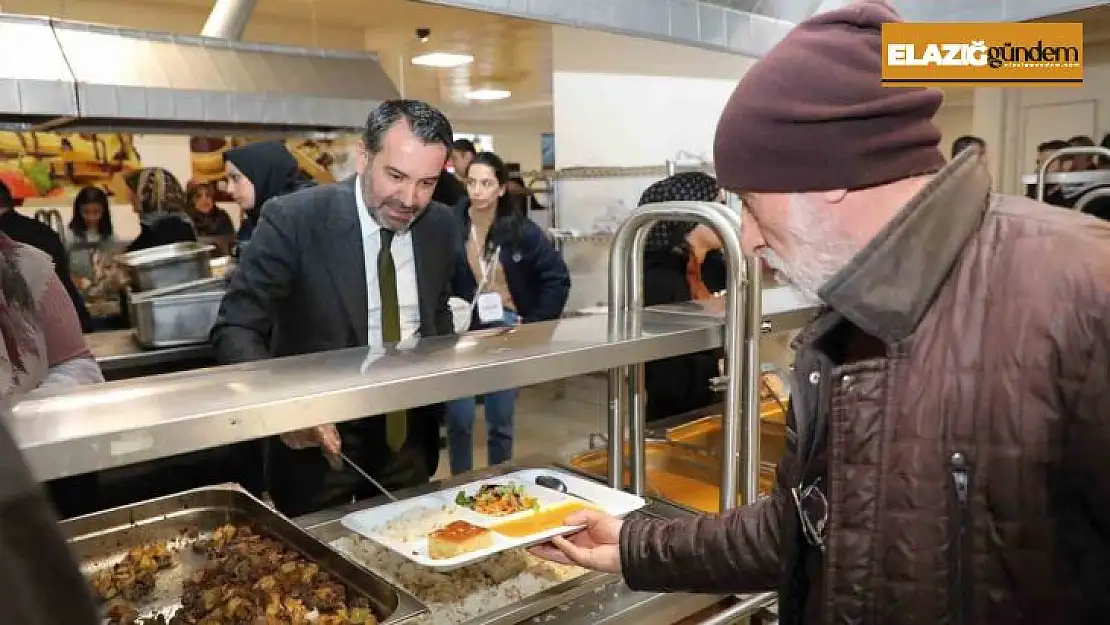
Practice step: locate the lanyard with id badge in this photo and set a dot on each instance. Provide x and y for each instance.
(489, 305)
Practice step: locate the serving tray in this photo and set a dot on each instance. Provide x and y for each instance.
(374, 523)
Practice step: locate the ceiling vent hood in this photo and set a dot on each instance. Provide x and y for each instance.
(36, 86)
(90, 77)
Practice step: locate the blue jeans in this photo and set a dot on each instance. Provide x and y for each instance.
(460, 416)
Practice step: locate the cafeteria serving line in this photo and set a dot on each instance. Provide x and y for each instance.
(138, 420)
(857, 461)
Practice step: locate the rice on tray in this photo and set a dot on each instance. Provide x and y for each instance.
(462, 594)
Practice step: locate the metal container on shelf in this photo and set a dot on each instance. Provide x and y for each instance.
(167, 265)
(178, 315)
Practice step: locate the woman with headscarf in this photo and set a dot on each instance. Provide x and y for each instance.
(159, 200)
(209, 220)
(257, 172)
(673, 262)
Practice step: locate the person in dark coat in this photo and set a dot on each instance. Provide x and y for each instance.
(33, 232)
(673, 265)
(505, 258)
(159, 201)
(449, 191)
(40, 583)
(257, 172)
(366, 262)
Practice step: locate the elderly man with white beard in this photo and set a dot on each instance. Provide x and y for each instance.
(947, 447)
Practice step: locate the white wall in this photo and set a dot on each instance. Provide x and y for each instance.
(954, 121)
(623, 102)
(515, 142)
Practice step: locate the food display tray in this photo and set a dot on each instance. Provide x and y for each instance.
(372, 523)
(101, 539)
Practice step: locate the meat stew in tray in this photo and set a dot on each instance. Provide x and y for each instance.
(217, 556)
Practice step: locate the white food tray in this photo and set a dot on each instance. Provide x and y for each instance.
(371, 523)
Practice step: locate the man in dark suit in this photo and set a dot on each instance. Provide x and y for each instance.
(362, 262)
(33, 232)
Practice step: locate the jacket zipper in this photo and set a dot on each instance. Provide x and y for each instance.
(960, 554)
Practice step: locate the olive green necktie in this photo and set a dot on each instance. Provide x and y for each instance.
(396, 423)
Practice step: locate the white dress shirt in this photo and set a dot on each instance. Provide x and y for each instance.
(408, 298)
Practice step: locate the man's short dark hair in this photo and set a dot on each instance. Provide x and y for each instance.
(426, 121)
(1054, 145)
(965, 142)
(465, 145)
(1082, 141)
(6, 200)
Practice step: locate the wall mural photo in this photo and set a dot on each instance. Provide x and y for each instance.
(46, 164)
(322, 160)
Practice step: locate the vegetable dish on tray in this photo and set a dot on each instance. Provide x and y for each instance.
(498, 500)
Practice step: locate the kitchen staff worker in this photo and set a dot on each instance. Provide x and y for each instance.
(673, 272)
(947, 451)
(257, 172)
(158, 198)
(363, 262)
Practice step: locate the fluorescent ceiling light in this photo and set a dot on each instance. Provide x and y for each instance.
(488, 94)
(442, 59)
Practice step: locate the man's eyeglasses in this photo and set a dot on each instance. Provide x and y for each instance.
(813, 513)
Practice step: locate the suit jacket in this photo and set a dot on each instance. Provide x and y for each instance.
(300, 288)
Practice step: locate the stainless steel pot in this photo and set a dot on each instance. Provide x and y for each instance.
(177, 315)
(167, 265)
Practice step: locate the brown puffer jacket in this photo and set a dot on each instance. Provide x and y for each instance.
(961, 377)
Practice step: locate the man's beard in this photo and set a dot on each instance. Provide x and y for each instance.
(374, 206)
(817, 250)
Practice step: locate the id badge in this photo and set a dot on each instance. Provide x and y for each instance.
(490, 308)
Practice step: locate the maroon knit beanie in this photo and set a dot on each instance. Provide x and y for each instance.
(812, 115)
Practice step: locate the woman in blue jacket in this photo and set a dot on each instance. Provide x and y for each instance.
(511, 273)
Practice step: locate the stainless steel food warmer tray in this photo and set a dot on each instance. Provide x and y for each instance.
(177, 315)
(101, 539)
(590, 599)
(167, 265)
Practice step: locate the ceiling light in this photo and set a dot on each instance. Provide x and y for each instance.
(488, 94)
(442, 59)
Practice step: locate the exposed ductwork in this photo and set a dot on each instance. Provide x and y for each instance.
(714, 25)
(963, 11)
(228, 19)
(77, 76)
(37, 93)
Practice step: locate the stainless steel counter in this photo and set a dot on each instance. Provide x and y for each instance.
(117, 350)
(122, 423)
(591, 599)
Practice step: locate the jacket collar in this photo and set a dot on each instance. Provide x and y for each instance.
(890, 284)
